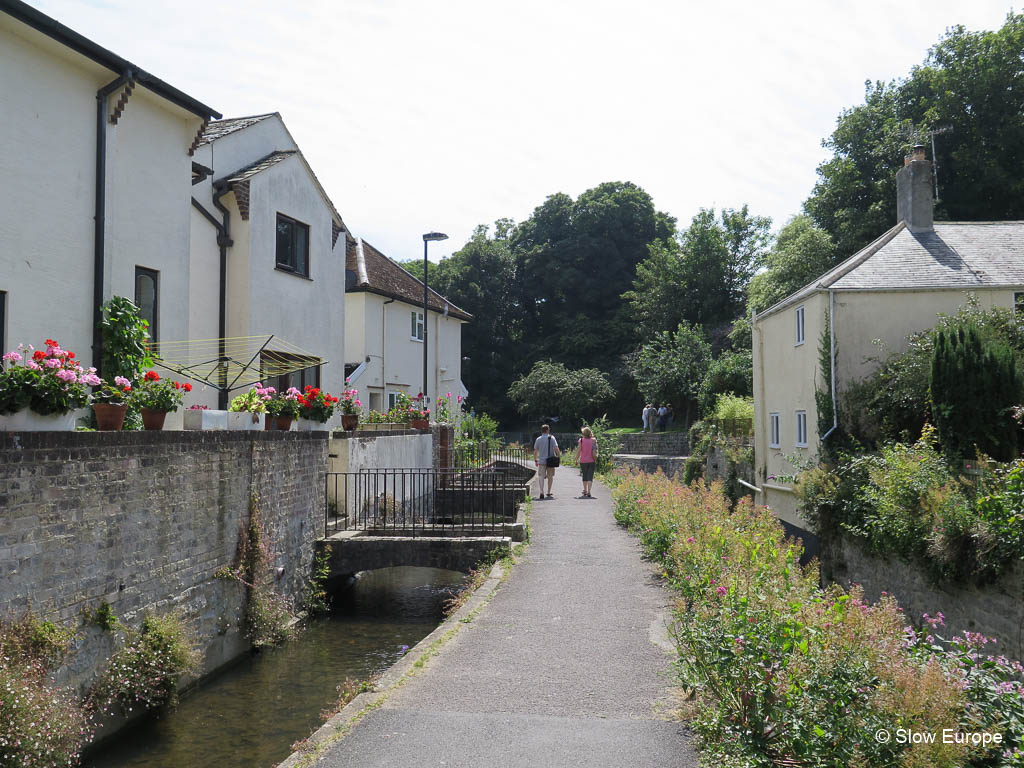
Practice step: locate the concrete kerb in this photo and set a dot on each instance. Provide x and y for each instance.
(340, 724)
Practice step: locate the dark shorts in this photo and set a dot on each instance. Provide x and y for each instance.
(588, 471)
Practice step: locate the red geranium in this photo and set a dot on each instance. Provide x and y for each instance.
(38, 354)
(152, 376)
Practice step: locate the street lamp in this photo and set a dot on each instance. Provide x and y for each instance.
(426, 239)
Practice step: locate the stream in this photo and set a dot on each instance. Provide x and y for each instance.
(249, 715)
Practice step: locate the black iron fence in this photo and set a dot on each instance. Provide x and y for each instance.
(423, 502)
(482, 454)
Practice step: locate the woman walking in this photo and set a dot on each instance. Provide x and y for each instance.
(588, 460)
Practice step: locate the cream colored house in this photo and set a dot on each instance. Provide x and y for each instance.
(258, 209)
(94, 198)
(385, 331)
(895, 286)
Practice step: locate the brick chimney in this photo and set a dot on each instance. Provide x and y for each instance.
(914, 191)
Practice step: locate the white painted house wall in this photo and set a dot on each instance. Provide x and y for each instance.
(47, 199)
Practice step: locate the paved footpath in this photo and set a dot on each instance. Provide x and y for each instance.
(559, 669)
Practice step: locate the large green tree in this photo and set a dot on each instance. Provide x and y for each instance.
(971, 83)
(701, 275)
(802, 252)
(671, 367)
(551, 389)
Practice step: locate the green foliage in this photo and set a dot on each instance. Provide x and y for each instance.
(699, 276)
(974, 386)
(158, 394)
(729, 406)
(969, 82)
(784, 672)
(103, 617)
(41, 725)
(551, 389)
(608, 443)
(317, 601)
(125, 338)
(144, 673)
(732, 372)
(1001, 510)
(802, 252)
(672, 366)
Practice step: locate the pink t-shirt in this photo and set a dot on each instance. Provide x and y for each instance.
(587, 450)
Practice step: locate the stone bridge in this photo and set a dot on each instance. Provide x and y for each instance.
(352, 552)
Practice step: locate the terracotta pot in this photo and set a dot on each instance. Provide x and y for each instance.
(349, 421)
(153, 420)
(419, 424)
(283, 423)
(269, 422)
(109, 418)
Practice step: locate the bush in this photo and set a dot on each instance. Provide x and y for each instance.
(730, 406)
(732, 373)
(145, 672)
(787, 673)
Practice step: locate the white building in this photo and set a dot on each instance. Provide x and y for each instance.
(385, 332)
(94, 199)
(259, 208)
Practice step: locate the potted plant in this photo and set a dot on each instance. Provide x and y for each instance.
(315, 408)
(202, 417)
(350, 406)
(157, 397)
(40, 389)
(283, 409)
(419, 417)
(248, 411)
(110, 404)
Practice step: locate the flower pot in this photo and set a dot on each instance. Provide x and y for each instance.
(153, 420)
(269, 422)
(349, 421)
(244, 420)
(419, 424)
(205, 419)
(109, 418)
(308, 425)
(283, 423)
(26, 420)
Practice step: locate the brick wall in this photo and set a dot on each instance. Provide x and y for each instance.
(143, 520)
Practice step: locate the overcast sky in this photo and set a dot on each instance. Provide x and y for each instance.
(421, 116)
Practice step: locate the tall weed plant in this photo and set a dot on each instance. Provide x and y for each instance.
(785, 673)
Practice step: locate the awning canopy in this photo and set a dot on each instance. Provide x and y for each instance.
(233, 363)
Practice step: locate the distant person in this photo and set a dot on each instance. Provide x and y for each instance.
(650, 414)
(643, 417)
(662, 417)
(545, 448)
(588, 460)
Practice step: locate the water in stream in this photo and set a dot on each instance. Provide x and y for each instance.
(249, 715)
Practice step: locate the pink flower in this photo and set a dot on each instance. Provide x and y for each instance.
(66, 375)
(51, 362)
(32, 365)
(121, 381)
(12, 357)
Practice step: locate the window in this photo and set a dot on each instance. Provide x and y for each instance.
(392, 399)
(801, 429)
(799, 326)
(376, 401)
(147, 293)
(272, 362)
(3, 322)
(292, 246)
(417, 325)
(773, 423)
(1018, 303)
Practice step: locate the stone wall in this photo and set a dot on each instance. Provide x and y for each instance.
(143, 520)
(670, 465)
(996, 609)
(656, 443)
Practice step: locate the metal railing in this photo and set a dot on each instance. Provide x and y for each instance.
(422, 502)
(482, 455)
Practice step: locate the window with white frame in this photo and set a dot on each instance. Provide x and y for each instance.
(774, 440)
(392, 399)
(801, 429)
(1018, 303)
(799, 325)
(417, 325)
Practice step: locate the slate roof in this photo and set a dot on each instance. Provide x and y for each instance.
(376, 273)
(219, 128)
(260, 165)
(954, 255)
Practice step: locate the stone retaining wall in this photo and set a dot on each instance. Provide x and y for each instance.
(670, 465)
(143, 520)
(996, 609)
(656, 443)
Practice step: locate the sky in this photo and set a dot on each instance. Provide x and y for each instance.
(440, 116)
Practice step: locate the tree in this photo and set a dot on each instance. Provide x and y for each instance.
(671, 367)
(732, 372)
(551, 389)
(970, 82)
(699, 276)
(802, 252)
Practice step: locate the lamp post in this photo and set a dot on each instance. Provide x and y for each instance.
(426, 239)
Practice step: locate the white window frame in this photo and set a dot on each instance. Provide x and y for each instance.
(800, 326)
(774, 429)
(1018, 302)
(417, 326)
(801, 429)
(392, 398)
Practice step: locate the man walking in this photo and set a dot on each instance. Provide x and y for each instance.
(545, 448)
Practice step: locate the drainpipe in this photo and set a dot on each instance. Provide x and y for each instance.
(383, 348)
(99, 244)
(832, 355)
(223, 241)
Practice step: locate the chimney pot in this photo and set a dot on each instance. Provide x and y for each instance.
(914, 192)
(918, 152)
